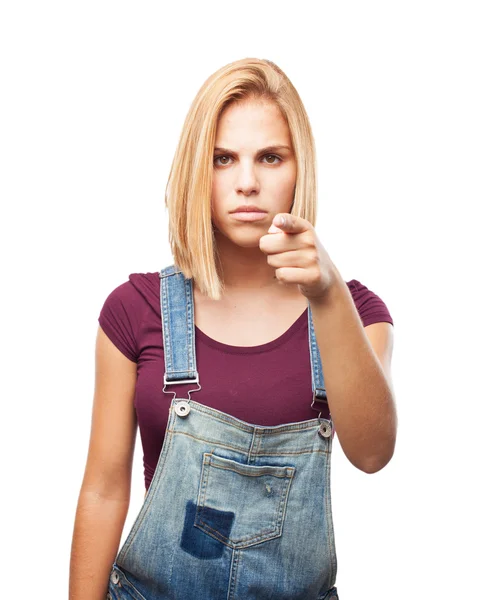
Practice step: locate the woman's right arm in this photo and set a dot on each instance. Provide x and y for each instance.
(105, 491)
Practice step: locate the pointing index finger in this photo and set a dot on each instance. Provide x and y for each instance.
(292, 224)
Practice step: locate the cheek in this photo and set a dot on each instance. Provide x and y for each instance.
(218, 195)
(284, 178)
(214, 203)
(215, 190)
(283, 188)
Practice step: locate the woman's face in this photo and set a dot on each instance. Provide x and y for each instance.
(251, 169)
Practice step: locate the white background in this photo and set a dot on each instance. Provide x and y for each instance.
(93, 99)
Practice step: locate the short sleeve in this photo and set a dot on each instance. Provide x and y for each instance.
(371, 308)
(120, 319)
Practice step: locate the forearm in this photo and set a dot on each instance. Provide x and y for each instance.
(96, 536)
(360, 399)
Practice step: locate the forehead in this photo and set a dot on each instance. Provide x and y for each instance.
(251, 122)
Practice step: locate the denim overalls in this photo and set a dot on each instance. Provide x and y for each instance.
(234, 511)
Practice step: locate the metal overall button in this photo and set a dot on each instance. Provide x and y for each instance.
(114, 577)
(109, 596)
(324, 429)
(182, 408)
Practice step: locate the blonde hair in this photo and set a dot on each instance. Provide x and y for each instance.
(189, 187)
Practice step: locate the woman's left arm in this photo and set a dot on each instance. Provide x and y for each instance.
(356, 360)
(357, 375)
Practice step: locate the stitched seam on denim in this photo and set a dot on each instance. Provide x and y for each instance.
(243, 451)
(233, 574)
(147, 503)
(131, 588)
(204, 481)
(262, 537)
(309, 424)
(329, 522)
(259, 444)
(312, 451)
(279, 511)
(282, 507)
(164, 309)
(246, 474)
(252, 445)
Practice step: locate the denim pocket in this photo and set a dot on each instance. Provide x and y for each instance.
(241, 504)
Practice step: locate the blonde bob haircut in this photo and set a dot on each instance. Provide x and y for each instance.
(189, 186)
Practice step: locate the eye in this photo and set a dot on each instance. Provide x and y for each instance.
(264, 156)
(274, 156)
(220, 156)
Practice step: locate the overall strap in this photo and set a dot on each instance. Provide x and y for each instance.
(178, 323)
(320, 400)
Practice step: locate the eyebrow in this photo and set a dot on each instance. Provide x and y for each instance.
(273, 148)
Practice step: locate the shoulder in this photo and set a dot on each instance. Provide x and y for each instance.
(138, 290)
(371, 308)
(147, 285)
(125, 308)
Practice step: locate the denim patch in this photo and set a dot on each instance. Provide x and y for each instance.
(196, 542)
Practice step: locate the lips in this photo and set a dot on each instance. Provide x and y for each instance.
(249, 216)
(248, 208)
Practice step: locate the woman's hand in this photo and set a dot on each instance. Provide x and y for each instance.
(299, 257)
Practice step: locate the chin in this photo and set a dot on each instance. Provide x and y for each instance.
(247, 243)
(247, 238)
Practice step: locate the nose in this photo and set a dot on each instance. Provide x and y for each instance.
(247, 179)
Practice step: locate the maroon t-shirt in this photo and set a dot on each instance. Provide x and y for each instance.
(269, 384)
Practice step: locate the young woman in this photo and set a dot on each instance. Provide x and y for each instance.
(235, 361)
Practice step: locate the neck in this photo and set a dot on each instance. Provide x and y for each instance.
(244, 268)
